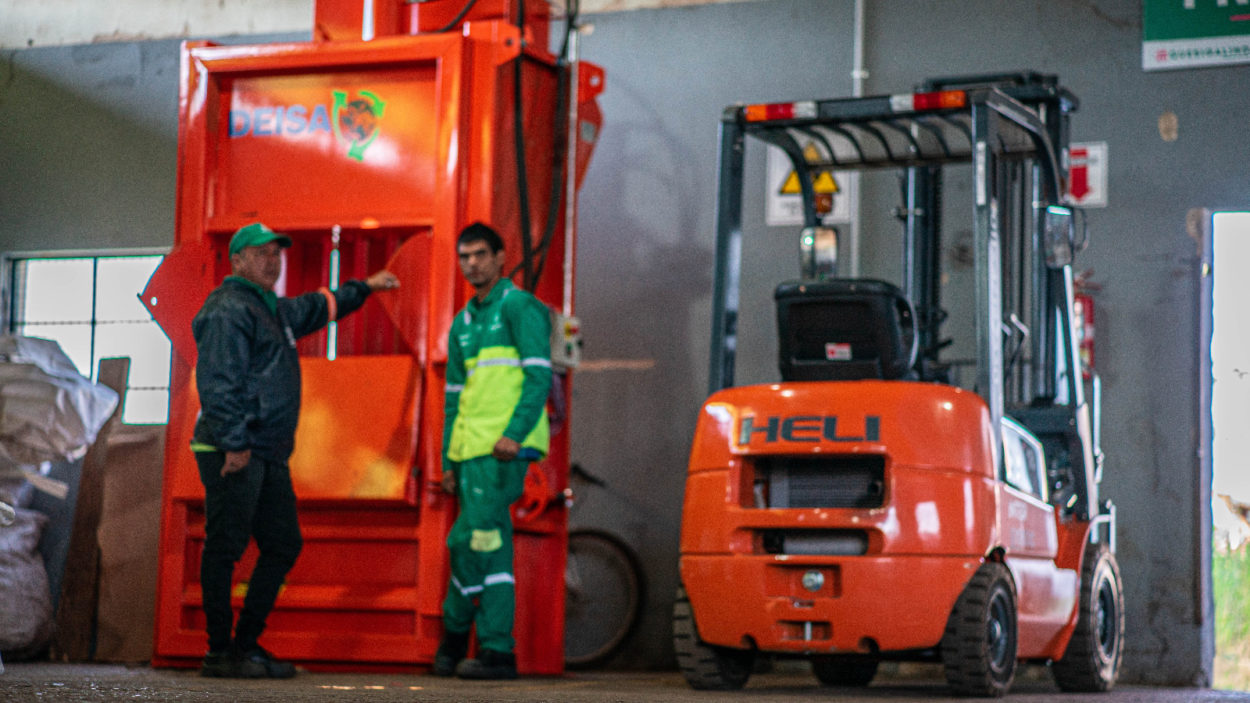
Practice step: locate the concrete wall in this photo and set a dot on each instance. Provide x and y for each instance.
(87, 154)
(31, 24)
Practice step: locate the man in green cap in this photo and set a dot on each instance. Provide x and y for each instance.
(248, 378)
(494, 424)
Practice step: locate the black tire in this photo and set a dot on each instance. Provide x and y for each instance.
(979, 647)
(835, 670)
(603, 594)
(1091, 662)
(706, 667)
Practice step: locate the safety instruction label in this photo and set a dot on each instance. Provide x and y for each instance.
(1087, 174)
(834, 190)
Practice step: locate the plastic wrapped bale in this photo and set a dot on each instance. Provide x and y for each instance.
(48, 410)
(25, 601)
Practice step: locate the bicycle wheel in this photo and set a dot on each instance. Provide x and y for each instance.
(602, 596)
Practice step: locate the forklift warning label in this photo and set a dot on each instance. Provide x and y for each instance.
(352, 121)
(834, 190)
(804, 428)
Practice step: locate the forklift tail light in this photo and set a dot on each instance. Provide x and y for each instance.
(780, 111)
(920, 102)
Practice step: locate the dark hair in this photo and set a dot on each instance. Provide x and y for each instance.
(478, 232)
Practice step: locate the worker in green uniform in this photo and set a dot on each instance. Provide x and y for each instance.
(495, 424)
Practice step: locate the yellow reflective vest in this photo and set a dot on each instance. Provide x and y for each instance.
(498, 375)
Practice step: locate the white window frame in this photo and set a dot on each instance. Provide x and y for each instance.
(9, 259)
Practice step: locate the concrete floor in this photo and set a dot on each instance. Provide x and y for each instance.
(45, 681)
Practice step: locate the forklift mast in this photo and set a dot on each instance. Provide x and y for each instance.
(1013, 130)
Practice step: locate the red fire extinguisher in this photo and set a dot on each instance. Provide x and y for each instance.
(1083, 314)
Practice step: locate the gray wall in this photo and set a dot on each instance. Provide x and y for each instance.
(89, 146)
(87, 156)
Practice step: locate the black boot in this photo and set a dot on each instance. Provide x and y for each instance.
(230, 663)
(451, 650)
(488, 665)
(256, 656)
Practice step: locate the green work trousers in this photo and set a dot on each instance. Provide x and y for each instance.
(482, 588)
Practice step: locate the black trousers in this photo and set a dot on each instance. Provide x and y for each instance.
(255, 502)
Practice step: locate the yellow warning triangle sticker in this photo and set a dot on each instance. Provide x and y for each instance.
(824, 184)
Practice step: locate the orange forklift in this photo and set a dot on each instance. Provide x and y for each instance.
(886, 499)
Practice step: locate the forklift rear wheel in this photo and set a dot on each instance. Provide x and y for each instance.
(834, 670)
(1092, 659)
(706, 667)
(979, 647)
(603, 594)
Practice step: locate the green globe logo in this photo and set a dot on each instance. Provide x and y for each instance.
(356, 121)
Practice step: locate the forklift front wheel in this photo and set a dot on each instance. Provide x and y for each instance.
(706, 667)
(1091, 662)
(979, 647)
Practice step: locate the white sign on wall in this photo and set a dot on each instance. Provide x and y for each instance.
(784, 202)
(1087, 174)
(1193, 33)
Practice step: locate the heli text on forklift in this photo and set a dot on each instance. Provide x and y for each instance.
(874, 504)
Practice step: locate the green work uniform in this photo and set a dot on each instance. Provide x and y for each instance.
(498, 378)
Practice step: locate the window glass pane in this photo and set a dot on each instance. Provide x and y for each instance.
(1037, 482)
(125, 328)
(57, 290)
(144, 343)
(75, 341)
(119, 281)
(54, 299)
(1013, 460)
(146, 407)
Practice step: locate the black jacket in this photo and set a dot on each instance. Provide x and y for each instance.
(248, 373)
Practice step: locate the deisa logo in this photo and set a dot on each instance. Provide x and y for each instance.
(353, 121)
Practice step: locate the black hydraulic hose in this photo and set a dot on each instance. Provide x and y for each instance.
(557, 171)
(459, 16)
(559, 142)
(533, 271)
(573, 8)
(518, 121)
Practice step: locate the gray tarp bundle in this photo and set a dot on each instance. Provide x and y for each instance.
(25, 602)
(48, 412)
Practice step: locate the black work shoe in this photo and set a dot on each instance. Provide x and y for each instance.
(269, 667)
(230, 664)
(451, 650)
(488, 665)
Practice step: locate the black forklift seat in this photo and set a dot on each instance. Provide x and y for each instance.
(844, 329)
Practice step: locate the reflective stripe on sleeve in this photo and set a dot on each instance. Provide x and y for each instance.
(496, 579)
(483, 363)
(466, 591)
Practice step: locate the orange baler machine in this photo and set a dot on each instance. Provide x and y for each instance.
(372, 146)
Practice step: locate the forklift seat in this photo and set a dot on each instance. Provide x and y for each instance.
(844, 330)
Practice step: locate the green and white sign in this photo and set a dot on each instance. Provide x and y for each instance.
(1193, 33)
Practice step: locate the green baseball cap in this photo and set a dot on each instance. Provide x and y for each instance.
(255, 235)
